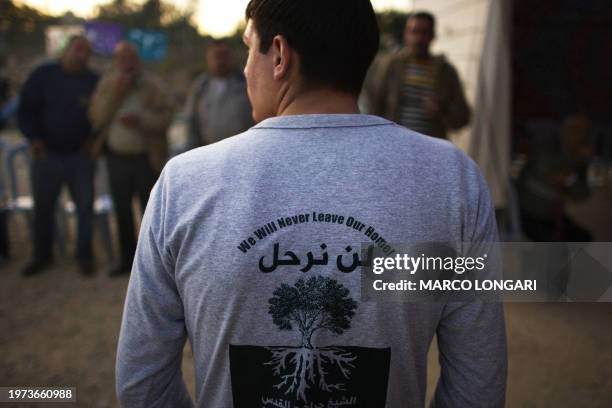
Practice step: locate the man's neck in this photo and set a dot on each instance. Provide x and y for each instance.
(319, 102)
(69, 69)
(426, 56)
(221, 75)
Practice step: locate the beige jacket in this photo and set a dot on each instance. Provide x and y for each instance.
(155, 121)
(384, 83)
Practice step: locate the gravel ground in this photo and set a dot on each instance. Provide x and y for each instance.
(61, 329)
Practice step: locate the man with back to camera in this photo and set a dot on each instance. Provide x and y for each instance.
(52, 114)
(416, 89)
(238, 245)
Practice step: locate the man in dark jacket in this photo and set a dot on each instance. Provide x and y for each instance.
(416, 89)
(53, 116)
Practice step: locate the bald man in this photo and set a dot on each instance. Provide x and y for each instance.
(52, 114)
(132, 113)
(218, 106)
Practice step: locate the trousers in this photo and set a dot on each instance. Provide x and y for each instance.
(49, 174)
(129, 175)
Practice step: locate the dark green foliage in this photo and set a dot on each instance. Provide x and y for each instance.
(317, 303)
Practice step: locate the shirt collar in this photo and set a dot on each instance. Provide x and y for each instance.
(321, 121)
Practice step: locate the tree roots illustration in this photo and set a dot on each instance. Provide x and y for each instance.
(301, 368)
(318, 303)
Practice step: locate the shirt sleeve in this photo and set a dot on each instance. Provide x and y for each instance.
(153, 332)
(104, 103)
(471, 335)
(30, 106)
(456, 111)
(373, 96)
(158, 113)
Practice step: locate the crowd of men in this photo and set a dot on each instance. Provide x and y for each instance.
(71, 117)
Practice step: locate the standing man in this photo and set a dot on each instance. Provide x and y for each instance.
(415, 88)
(218, 106)
(52, 114)
(132, 112)
(249, 247)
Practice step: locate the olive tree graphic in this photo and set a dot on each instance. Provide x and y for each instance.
(319, 303)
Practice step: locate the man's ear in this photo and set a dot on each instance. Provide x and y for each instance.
(282, 55)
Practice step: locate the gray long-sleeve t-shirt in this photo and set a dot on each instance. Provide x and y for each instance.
(221, 261)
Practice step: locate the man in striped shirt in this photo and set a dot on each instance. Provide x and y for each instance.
(415, 88)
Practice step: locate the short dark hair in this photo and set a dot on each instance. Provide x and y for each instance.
(425, 15)
(336, 39)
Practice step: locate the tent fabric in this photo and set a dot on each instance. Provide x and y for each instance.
(490, 142)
